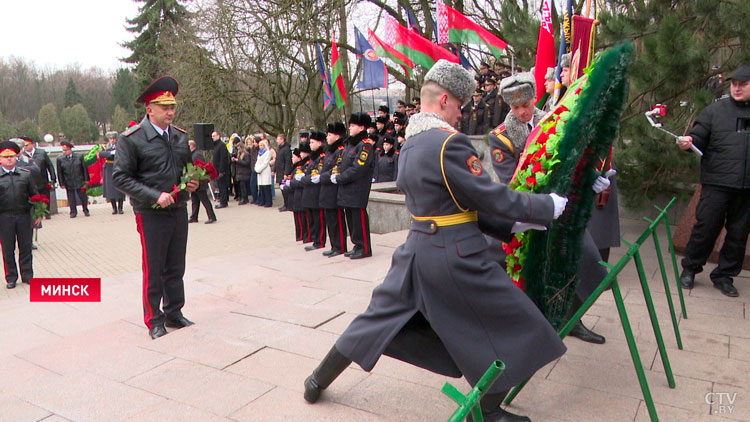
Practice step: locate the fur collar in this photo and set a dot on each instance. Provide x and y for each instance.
(518, 131)
(422, 122)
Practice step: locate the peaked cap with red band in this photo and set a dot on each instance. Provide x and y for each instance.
(9, 149)
(161, 91)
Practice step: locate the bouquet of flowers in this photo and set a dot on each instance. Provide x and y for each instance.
(40, 204)
(199, 171)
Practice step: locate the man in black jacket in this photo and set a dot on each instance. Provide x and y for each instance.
(283, 166)
(150, 160)
(200, 196)
(354, 181)
(16, 188)
(73, 175)
(46, 169)
(722, 132)
(334, 215)
(221, 164)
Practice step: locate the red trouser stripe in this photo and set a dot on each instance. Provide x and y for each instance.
(307, 221)
(5, 265)
(341, 231)
(322, 235)
(364, 231)
(148, 313)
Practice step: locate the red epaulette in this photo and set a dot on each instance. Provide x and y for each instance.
(498, 130)
(341, 147)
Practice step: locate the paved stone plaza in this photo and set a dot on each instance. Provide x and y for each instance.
(266, 313)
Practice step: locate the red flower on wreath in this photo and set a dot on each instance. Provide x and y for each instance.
(537, 167)
(531, 180)
(48, 187)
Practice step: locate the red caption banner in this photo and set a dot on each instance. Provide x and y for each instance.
(66, 290)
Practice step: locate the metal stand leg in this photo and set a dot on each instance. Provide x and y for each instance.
(470, 403)
(665, 279)
(654, 320)
(674, 259)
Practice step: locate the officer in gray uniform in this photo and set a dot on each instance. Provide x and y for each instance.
(445, 305)
(115, 197)
(507, 142)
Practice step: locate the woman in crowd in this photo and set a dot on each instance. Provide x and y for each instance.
(242, 173)
(263, 168)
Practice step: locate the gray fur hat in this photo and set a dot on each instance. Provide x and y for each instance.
(565, 60)
(451, 76)
(518, 88)
(111, 134)
(550, 76)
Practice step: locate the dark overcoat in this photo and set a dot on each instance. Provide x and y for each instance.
(328, 190)
(444, 304)
(108, 187)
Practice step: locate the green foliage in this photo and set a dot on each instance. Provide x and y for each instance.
(48, 120)
(155, 19)
(678, 44)
(76, 124)
(29, 128)
(125, 91)
(72, 96)
(120, 119)
(7, 130)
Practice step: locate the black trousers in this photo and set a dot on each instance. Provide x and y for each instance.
(223, 183)
(285, 195)
(304, 218)
(719, 207)
(317, 226)
(264, 195)
(16, 229)
(163, 236)
(335, 222)
(201, 197)
(76, 197)
(297, 225)
(242, 189)
(359, 227)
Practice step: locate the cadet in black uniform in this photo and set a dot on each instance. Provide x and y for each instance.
(355, 180)
(297, 188)
(334, 215)
(385, 166)
(311, 191)
(445, 305)
(16, 188)
(148, 165)
(291, 195)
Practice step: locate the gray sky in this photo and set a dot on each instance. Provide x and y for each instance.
(56, 33)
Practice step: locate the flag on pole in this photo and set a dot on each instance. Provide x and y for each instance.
(337, 70)
(418, 48)
(453, 26)
(545, 49)
(385, 50)
(373, 73)
(565, 39)
(583, 43)
(413, 24)
(328, 99)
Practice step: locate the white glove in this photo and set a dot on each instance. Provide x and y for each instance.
(560, 203)
(601, 184)
(519, 227)
(333, 178)
(315, 179)
(299, 177)
(610, 173)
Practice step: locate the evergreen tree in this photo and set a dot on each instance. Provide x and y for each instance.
(76, 124)
(29, 128)
(72, 96)
(125, 91)
(682, 48)
(48, 120)
(155, 19)
(120, 119)
(7, 130)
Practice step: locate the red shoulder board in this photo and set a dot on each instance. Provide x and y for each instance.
(498, 130)
(397, 152)
(179, 129)
(322, 154)
(341, 147)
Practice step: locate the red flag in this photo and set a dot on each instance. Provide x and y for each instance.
(414, 46)
(583, 30)
(545, 49)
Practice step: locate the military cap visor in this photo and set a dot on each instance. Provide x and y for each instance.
(26, 139)
(66, 145)
(9, 149)
(162, 91)
(741, 74)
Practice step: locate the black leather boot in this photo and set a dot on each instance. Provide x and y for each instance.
(687, 278)
(579, 330)
(332, 366)
(491, 411)
(114, 207)
(119, 205)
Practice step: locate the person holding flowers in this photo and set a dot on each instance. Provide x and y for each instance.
(17, 191)
(153, 167)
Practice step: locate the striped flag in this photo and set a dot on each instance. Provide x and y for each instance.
(337, 70)
(385, 50)
(328, 99)
(453, 26)
(565, 39)
(418, 48)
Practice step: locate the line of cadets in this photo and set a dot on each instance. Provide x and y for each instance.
(332, 175)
